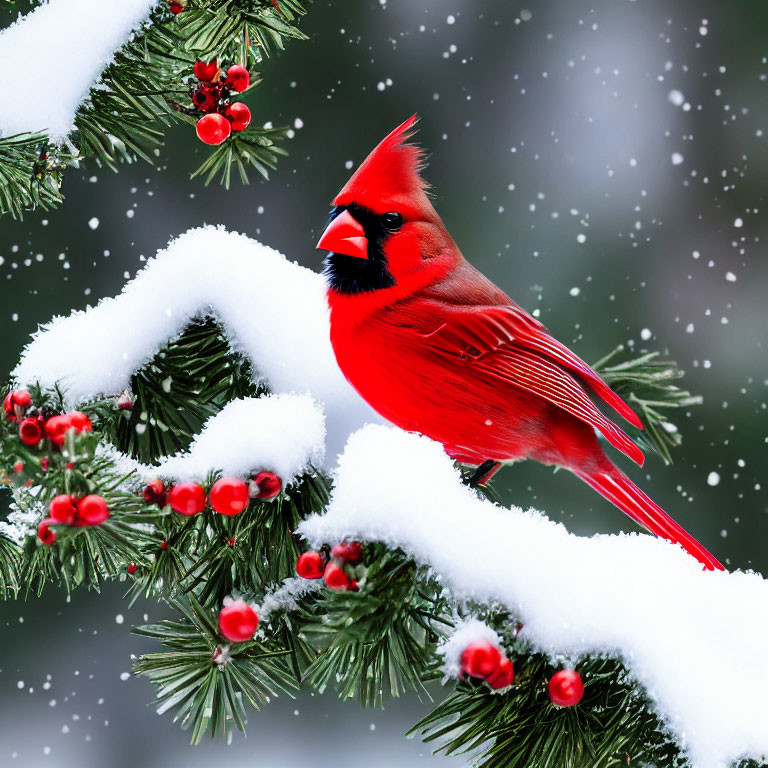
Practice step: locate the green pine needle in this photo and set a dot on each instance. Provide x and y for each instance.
(10, 566)
(379, 642)
(205, 696)
(146, 90)
(521, 728)
(647, 383)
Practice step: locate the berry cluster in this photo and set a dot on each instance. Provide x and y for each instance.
(69, 510)
(333, 570)
(212, 95)
(228, 496)
(238, 621)
(36, 425)
(484, 660)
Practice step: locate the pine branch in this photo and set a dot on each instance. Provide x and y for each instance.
(245, 150)
(30, 173)
(522, 728)
(646, 382)
(186, 383)
(10, 566)
(381, 640)
(146, 90)
(258, 26)
(203, 680)
(256, 548)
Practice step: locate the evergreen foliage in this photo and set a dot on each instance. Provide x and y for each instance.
(146, 90)
(647, 383)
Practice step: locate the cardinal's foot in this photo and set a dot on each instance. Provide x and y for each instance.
(482, 474)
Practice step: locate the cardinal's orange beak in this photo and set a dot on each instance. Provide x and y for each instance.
(345, 234)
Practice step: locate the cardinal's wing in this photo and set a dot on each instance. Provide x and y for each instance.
(507, 343)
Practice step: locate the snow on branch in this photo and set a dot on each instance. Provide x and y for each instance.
(63, 46)
(272, 310)
(284, 434)
(694, 639)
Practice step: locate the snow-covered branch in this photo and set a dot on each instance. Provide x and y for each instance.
(694, 639)
(272, 310)
(80, 36)
(284, 434)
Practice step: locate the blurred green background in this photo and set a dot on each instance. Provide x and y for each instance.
(602, 161)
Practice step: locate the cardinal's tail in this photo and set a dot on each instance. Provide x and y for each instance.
(615, 486)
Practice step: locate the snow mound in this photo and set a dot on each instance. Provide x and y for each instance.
(62, 47)
(694, 639)
(284, 434)
(272, 310)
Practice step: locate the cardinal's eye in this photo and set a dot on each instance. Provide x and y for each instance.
(392, 221)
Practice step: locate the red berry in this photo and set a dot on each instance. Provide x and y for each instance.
(79, 421)
(163, 545)
(480, 659)
(63, 509)
(566, 688)
(206, 72)
(45, 462)
(213, 128)
(238, 622)
(187, 498)
(175, 7)
(56, 428)
(238, 78)
(239, 114)
(351, 552)
(45, 533)
(132, 568)
(336, 578)
(269, 485)
(16, 402)
(503, 676)
(18, 467)
(229, 496)
(154, 493)
(92, 510)
(30, 432)
(310, 565)
(207, 96)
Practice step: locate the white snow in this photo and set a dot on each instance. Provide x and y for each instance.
(59, 50)
(676, 97)
(22, 520)
(694, 639)
(285, 597)
(465, 633)
(284, 434)
(274, 311)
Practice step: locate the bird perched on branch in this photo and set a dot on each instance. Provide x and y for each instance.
(435, 347)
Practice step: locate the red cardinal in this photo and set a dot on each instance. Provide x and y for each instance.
(435, 347)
